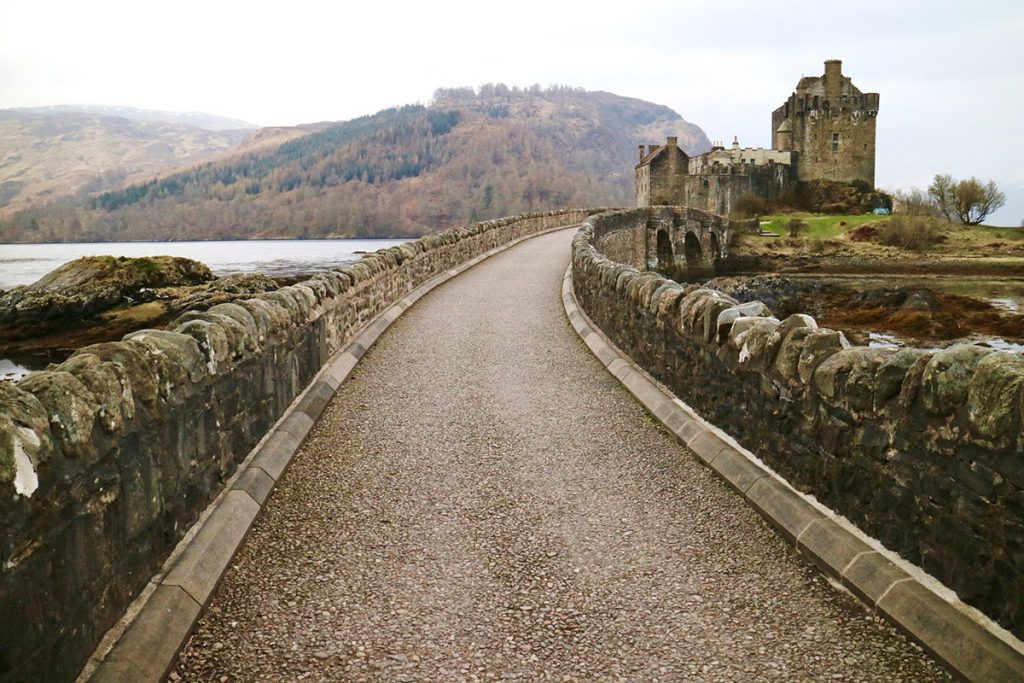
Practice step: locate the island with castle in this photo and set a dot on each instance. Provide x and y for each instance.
(823, 136)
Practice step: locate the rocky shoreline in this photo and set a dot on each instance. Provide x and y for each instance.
(101, 298)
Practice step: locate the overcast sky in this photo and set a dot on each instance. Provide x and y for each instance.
(950, 74)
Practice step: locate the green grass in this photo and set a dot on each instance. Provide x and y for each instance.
(819, 226)
(1009, 234)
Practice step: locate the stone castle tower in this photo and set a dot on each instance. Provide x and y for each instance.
(825, 131)
(830, 124)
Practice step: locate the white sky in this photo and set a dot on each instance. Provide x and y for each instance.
(950, 74)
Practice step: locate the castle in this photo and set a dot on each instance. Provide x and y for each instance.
(825, 131)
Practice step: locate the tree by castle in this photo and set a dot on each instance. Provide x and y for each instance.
(823, 138)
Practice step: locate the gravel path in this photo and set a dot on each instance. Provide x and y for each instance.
(482, 501)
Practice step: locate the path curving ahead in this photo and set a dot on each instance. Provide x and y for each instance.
(482, 501)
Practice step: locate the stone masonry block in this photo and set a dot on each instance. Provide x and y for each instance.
(782, 507)
(830, 546)
(199, 568)
(706, 445)
(256, 483)
(952, 636)
(870, 575)
(149, 646)
(737, 469)
(276, 453)
(297, 423)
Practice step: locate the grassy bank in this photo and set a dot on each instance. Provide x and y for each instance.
(835, 243)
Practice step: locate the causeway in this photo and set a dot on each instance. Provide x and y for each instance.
(481, 500)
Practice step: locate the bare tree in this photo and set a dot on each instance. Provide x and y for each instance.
(968, 201)
(915, 202)
(941, 191)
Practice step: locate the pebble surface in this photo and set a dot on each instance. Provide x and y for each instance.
(482, 501)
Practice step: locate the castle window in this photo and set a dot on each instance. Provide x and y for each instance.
(835, 142)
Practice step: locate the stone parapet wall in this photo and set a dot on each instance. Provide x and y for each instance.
(924, 450)
(107, 459)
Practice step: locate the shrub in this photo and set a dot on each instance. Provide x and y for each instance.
(749, 205)
(910, 232)
(796, 227)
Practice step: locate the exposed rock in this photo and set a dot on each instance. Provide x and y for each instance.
(117, 305)
(85, 287)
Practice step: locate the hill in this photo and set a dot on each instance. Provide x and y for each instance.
(469, 155)
(197, 119)
(50, 154)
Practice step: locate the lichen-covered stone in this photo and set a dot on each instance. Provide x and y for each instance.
(213, 341)
(995, 396)
(913, 381)
(740, 327)
(25, 439)
(713, 307)
(820, 344)
(751, 309)
(140, 369)
(759, 345)
(72, 409)
(831, 375)
(626, 275)
(109, 383)
(180, 362)
(946, 377)
(787, 360)
(890, 374)
(648, 288)
(794, 321)
(269, 316)
(665, 298)
(241, 340)
(862, 384)
(244, 318)
(690, 300)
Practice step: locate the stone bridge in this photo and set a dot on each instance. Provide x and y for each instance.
(411, 469)
(669, 238)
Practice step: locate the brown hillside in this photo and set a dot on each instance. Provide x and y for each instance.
(469, 155)
(44, 156)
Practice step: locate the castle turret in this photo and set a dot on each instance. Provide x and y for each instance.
(784, 136)
(833, 78)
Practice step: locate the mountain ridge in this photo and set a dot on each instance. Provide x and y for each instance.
(471, 154)
(198, 119)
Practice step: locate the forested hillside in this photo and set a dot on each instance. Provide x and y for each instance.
(469, 155)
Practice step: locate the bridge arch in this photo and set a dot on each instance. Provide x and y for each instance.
(692, 250)
(666, 257)
(716, 247)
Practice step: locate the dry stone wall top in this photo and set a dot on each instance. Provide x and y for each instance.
(924, 450)
(107, 459)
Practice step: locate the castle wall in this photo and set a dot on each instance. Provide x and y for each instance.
(720, 192)
(921, 449)
(107, 459)
(835, 144)
(642, 185)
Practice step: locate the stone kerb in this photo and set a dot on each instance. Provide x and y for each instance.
(923, 450)
(108, 458)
